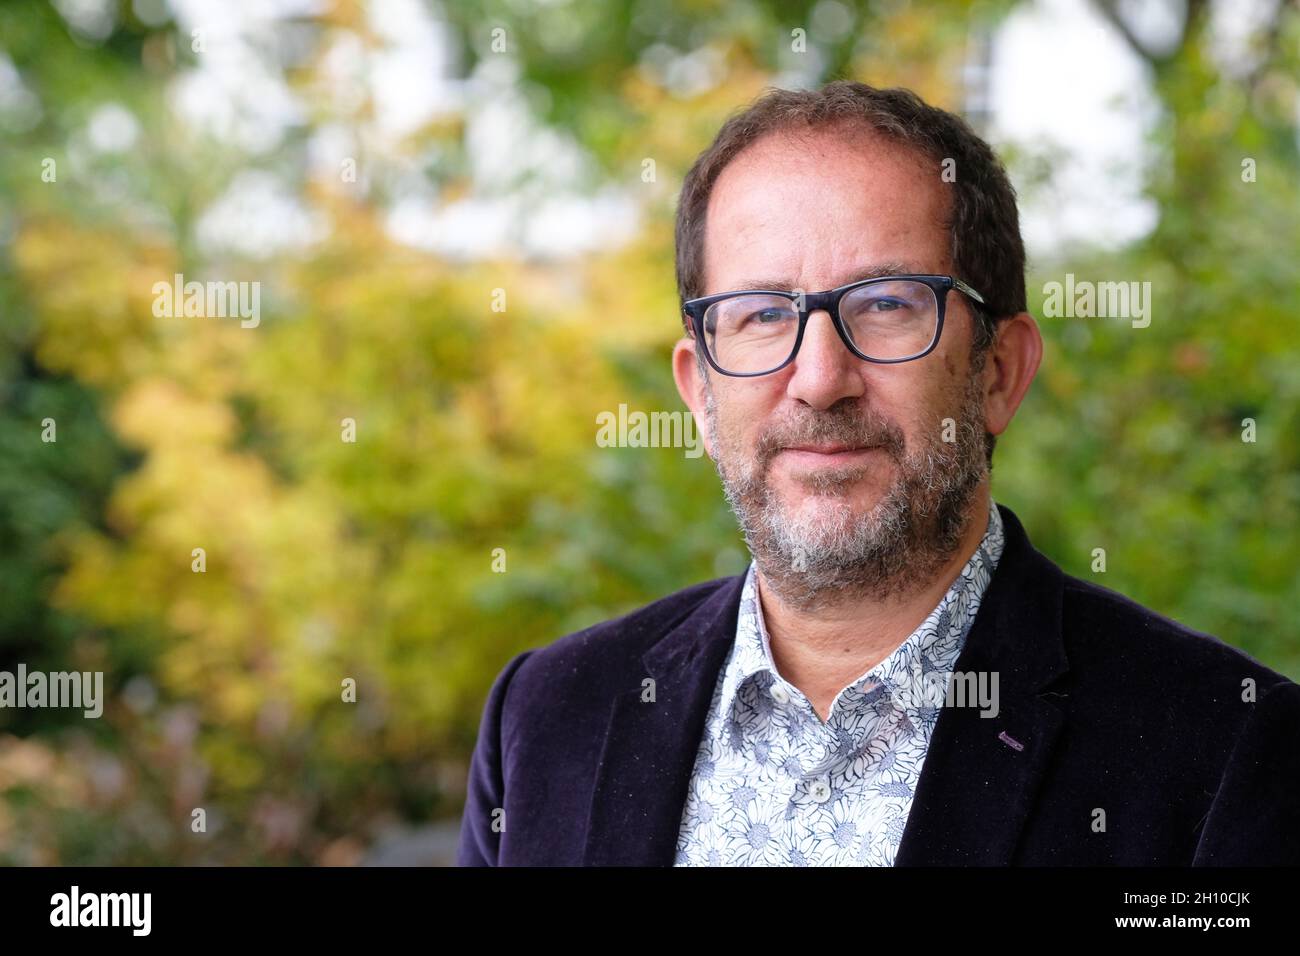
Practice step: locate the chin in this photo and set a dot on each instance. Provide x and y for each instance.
(822, 514)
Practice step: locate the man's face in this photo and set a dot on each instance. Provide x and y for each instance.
(838, 468)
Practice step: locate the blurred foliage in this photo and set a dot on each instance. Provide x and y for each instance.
(373, 560)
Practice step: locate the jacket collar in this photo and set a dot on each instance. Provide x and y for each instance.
(980, 774)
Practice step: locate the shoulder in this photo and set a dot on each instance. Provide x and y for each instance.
(1116, 623)
(1143, 662)
(571, 670)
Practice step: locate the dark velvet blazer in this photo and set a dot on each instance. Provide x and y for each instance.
(1104, 706)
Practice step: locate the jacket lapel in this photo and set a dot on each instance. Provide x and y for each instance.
(981, 774)
(649, 751)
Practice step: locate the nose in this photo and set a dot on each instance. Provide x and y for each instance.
(825, 371)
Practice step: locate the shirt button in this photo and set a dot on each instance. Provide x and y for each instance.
(779, 694)
(820, 789)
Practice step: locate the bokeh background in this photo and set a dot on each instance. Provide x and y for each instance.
(460, 217)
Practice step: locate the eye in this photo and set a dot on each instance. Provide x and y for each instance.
(888, 305)
(769, 316)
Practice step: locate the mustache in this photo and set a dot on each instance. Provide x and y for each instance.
(847, 424)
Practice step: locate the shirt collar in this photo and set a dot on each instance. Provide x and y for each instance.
(934, 645)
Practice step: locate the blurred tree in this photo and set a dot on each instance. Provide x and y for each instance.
(1144, 428)
(376, 560)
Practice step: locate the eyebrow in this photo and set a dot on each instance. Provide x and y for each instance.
(857, 275)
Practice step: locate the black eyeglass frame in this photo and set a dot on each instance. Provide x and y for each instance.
(829, 301)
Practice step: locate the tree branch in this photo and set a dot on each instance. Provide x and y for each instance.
(1110, 13)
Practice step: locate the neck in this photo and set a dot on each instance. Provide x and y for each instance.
(822, 649)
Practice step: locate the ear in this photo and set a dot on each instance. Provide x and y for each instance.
(692, 387)
(1012, 363)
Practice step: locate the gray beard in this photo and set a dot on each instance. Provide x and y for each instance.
(896, 547)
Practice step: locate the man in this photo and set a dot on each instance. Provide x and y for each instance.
(900, 677)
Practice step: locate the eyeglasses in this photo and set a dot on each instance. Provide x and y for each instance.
(887, 320)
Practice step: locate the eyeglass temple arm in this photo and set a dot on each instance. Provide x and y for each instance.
(963, 287)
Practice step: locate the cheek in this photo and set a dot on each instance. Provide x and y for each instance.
(948, 385)
(918, 405)
(742, 414)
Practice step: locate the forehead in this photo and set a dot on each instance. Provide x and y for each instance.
(818, 207)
